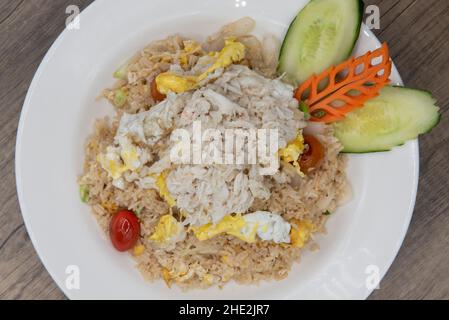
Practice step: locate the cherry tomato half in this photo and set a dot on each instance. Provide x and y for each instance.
(124, 230)
(157, 96)
(313, 154)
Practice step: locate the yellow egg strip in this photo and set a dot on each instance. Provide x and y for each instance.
(138, 250)
(129, 155)
(114, 169)
(167, 227)
(170, 82)
(227, 224)
(231, 225)
(300, 232)
(163, 189)
(293, 151)
(166, 276)
(232, 52)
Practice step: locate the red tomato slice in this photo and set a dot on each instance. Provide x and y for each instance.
(157, 96)
(313, 155)
(124, 230)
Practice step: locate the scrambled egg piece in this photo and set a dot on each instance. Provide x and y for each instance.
(166, 276)
(117, 160)
(232, 52)
(293, 151)
(138, 250)
(129, 154)
(163, 190)
(111, 162)
(300, 232)
(170, 82)
(168, 230)
(231, 225)
(266, 225)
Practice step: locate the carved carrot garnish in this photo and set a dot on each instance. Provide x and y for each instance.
(347, 86)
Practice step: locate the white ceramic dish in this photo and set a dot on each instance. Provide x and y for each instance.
(363, 237)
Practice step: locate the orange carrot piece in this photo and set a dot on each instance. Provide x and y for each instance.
(362, 79)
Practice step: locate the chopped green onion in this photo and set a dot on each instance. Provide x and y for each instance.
(121, 72)
(327, 213)
(305, 109)
(119, 97)
(84, 193)
(138, 211)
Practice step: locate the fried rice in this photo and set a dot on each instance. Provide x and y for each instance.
(193, 263)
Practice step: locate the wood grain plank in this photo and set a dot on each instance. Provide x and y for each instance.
(418, 35)
(8, 8)
(22, 273)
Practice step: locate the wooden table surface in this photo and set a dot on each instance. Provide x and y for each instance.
(418, 34)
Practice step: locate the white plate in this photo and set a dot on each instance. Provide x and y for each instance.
(363, 237)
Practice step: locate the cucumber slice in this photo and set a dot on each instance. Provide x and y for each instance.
(324, 33)
(398, 114)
